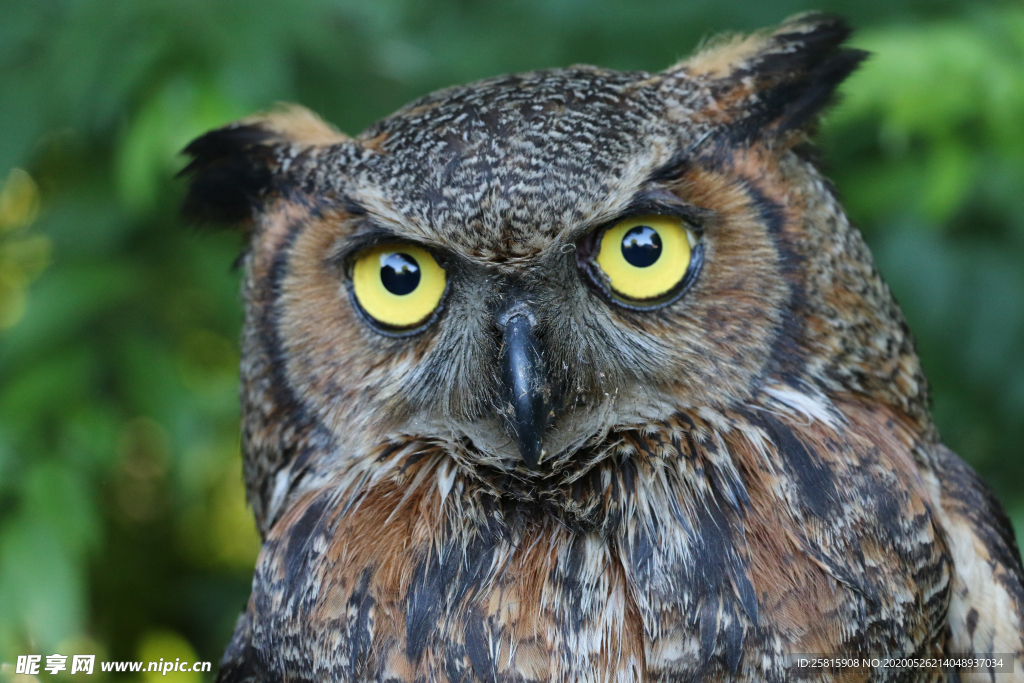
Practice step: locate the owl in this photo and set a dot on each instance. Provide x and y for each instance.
(584, 375)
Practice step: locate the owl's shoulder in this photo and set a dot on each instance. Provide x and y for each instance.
(986, 610)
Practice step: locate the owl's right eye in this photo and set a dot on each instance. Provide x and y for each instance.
(398, 285)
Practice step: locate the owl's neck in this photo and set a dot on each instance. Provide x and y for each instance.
(697, 458)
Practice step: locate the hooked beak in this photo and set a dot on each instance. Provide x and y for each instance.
(526, 393)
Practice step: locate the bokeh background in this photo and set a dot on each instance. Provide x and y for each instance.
(123, 526)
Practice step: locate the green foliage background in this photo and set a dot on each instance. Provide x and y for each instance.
(123, 530)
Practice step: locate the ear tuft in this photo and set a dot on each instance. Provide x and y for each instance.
(230, 171)
(297, 125)
(776, 81)
(236, 168)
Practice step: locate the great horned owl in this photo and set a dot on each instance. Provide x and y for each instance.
(584, 375)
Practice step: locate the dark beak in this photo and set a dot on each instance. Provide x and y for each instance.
(526, 393)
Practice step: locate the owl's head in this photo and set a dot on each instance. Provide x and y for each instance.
(520, 268)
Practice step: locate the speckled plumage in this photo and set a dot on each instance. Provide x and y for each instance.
(747, 473)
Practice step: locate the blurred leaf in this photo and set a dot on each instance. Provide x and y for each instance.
(220, 531)
(149, 154)
(165, 646)
(41, 584)
(59, 498)
(62, 301)
(19, 200)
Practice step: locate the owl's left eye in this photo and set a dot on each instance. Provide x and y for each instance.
(398, 285)
(643, 260)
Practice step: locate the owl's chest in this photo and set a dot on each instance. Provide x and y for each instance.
(710, 588)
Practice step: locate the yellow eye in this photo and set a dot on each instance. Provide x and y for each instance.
(398, 285)
(645, 257)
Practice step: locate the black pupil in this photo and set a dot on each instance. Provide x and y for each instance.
(641, 246)
(400, 273)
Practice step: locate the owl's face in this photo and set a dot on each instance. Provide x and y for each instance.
(520, 268)
(516, 292)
